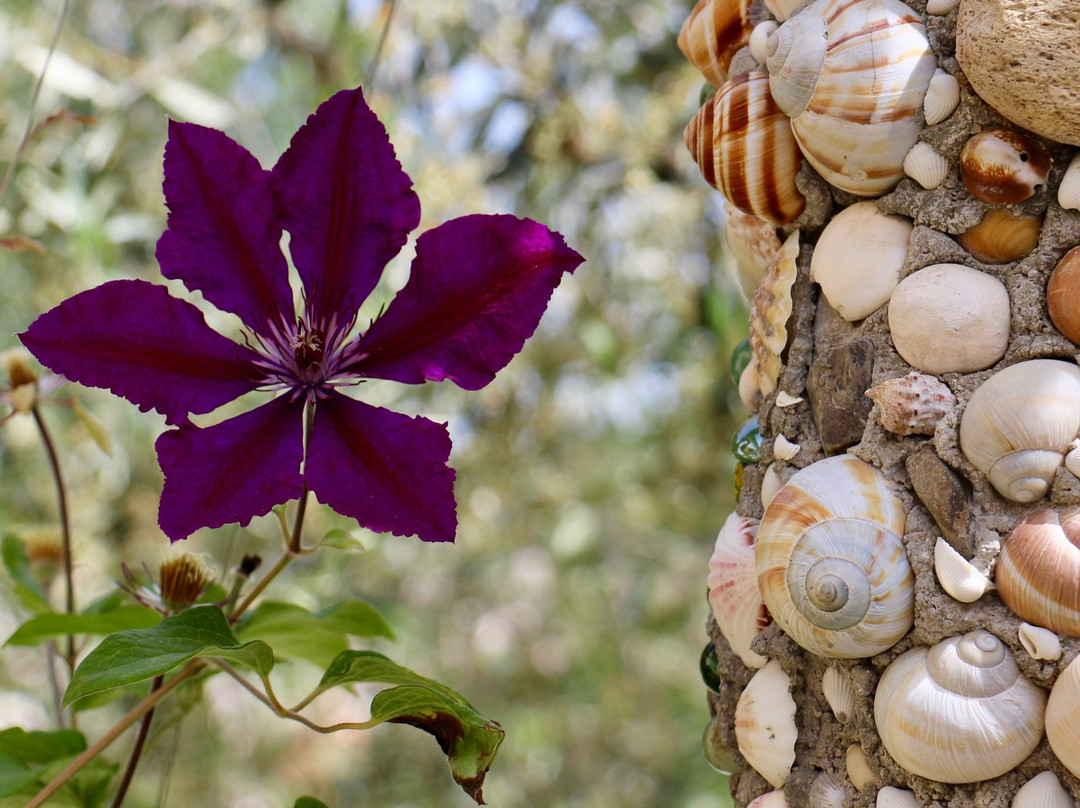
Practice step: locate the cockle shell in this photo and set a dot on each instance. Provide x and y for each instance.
(743, 145)
(770, 799)
(1003, 166)
(941, 6)
(942, 95)
(858, 257)
(851, 75)
(949, 318)
(912, 404)
(753, 244)
(958, 576)
(891, 797)
(1072, 459)
(1040, 643)
(711, 35)
(733, 591)
(831, 563)
(1063, 295)
(839, 693)
(1063, 717)
(828, 791)
(770, 309)
(1000, 237)
(1019, 423)
(1069, 190)
(1042, 791)
(765, 724)
(759, 36)
(926, 165)
(1038, 571)
(959, 712)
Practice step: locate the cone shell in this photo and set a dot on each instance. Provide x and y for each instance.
(959, 712)
(1038, 571)
(712, 34)
(743, 145)
(958, 576)
(851, 75)
(913, 404)
(839, 693)
(926, 165)
(753, 244)
(1003, 166)
(831, 563)
(1040, 643)
(1000, 237)
(1019, 423)
(1043, 791)
(733, 591)
(1063, 717)
(1069, 190)
(765, 724)
(1063, 295)
(770, 309)
(891, 797)
(942, 96)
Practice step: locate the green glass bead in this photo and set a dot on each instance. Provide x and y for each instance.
(718, 754)
(706, 94)
(740, 358)
(709, 673)
(746, 442)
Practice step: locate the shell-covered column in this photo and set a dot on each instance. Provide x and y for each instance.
(895, 605)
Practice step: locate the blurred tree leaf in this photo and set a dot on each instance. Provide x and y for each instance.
(318, 637)
(42, 627)
(309, 802)
(17, 563)
(339, 539)
(97, 430)
(23, 755)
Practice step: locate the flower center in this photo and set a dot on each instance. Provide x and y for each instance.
(306, 356)
(309, 349)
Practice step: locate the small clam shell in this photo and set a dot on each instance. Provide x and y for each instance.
(785, 399)
(770, 484)
(942, 95)
(828, 791)
(784, 449)
(765, 724)
(840, 693)
(1063, 717)
(926, 165)
(1000, 237)
(1040, 643)
(733, 591)
(913, 404)
(1069, 190)
(1072, 460)
(750, 386)
(891, 797)
(711, 35)
(770, 799)
(1003, 166)
(1063, 295)
(759, 37)
(958, 576)
(769, 311)
(1043, 791)
(859, 771)
(941, 6)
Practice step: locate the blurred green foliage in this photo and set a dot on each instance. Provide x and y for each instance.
(592, 474)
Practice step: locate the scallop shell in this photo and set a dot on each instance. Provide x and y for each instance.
(948, 318)
(1019, 423)
(769, 312)
(926, 165)
(958, 576)
(711, 35)
(941, 6)
(828, 791)
(759, 36)
(839, 693)
(859, 771)
(1040, 643)
(959, 712)
(733, 591)
(1000, 237)
(831, 563)
(770, 799)
(753, 244)
(858, 257)
(1069, 190)
(1063, 295)
(1038, 571)
(743, 145)
(1063, 717)
(1043, 791)
(770, 484)
(942, 96)
(891, 797)
(784, 449)
(765, 724)
(1003, 166)
(851, 75)
(913, 404)
(1072, 459)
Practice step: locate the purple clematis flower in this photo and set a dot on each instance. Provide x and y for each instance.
(477, 289)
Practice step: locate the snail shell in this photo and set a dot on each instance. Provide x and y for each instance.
(1063, 295)
(891, 797)
(1069, 190)
(831, 563)
(913, 404)
(733, 591)
(851, 75)
(959, 712)
(1003, 166)
(926, 165)
(765, 724)
(1063, 717)
(759, 36)
(1019, 423)
(942, 96)
(711, 35)
(1043, 791)
(1000, 237)
(1038, 571)
(770, 309)
(1040, 643)
(839, 693)
(958, 576)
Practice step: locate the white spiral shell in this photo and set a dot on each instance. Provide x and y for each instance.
(1063, 717)
(831, 562)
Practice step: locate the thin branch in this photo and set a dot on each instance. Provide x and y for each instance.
(136, 750)
(373, 65)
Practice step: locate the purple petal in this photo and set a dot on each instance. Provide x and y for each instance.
(384, 469)
(223, 237)
(478, 288)
(346, 203)
(231, 471)
(135, 339)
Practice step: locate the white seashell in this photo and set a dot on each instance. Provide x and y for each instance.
(765, 724)
(852, 76)
(959, 712)
(1069, 190)
(941, 6)
(784, 449)
(1040, 643)
(770, 799)
(733, 591)
(759, 36)
(784, 399)
(1072, 459)
(958, 576)
(1063, 717)
(770, 309)
(750, 386)
(926, 165)
(859, 771)
(840, 693)
(942, 96)
(828, 791)
(770, 484)
(857, 260)
(1042, 791)
(831, 563)
(1019, 423)
(949, 318)
(913, 404)
(891, 797)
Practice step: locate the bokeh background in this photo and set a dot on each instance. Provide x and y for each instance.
(593, 473)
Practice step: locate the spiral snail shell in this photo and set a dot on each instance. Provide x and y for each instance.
(831, 563)
(851, 75)
(1019, 423)
(959, 712)
(711, 35)
(1063, 717)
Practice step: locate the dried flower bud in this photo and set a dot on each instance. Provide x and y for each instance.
(17, 364)
(248, 565)
(45, 549)
(184, 577)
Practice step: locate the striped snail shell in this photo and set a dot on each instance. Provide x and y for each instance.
(851, 75)
(712, 34)
(831, 562)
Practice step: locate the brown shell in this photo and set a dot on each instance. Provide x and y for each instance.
(1003, 166)
(712, 34)
(1063, 295)
(770, 309)
(1000, 237)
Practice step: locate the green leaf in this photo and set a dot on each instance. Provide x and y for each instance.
(339, 539)
(138, 654)
(469, 741)
(97, 430)
(293, 631)
(25, 755)
(17, 563)
(46, 626)
(309, 802)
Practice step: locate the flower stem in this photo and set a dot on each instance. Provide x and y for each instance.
(286, 559)
(373, 65)
(136, 751)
